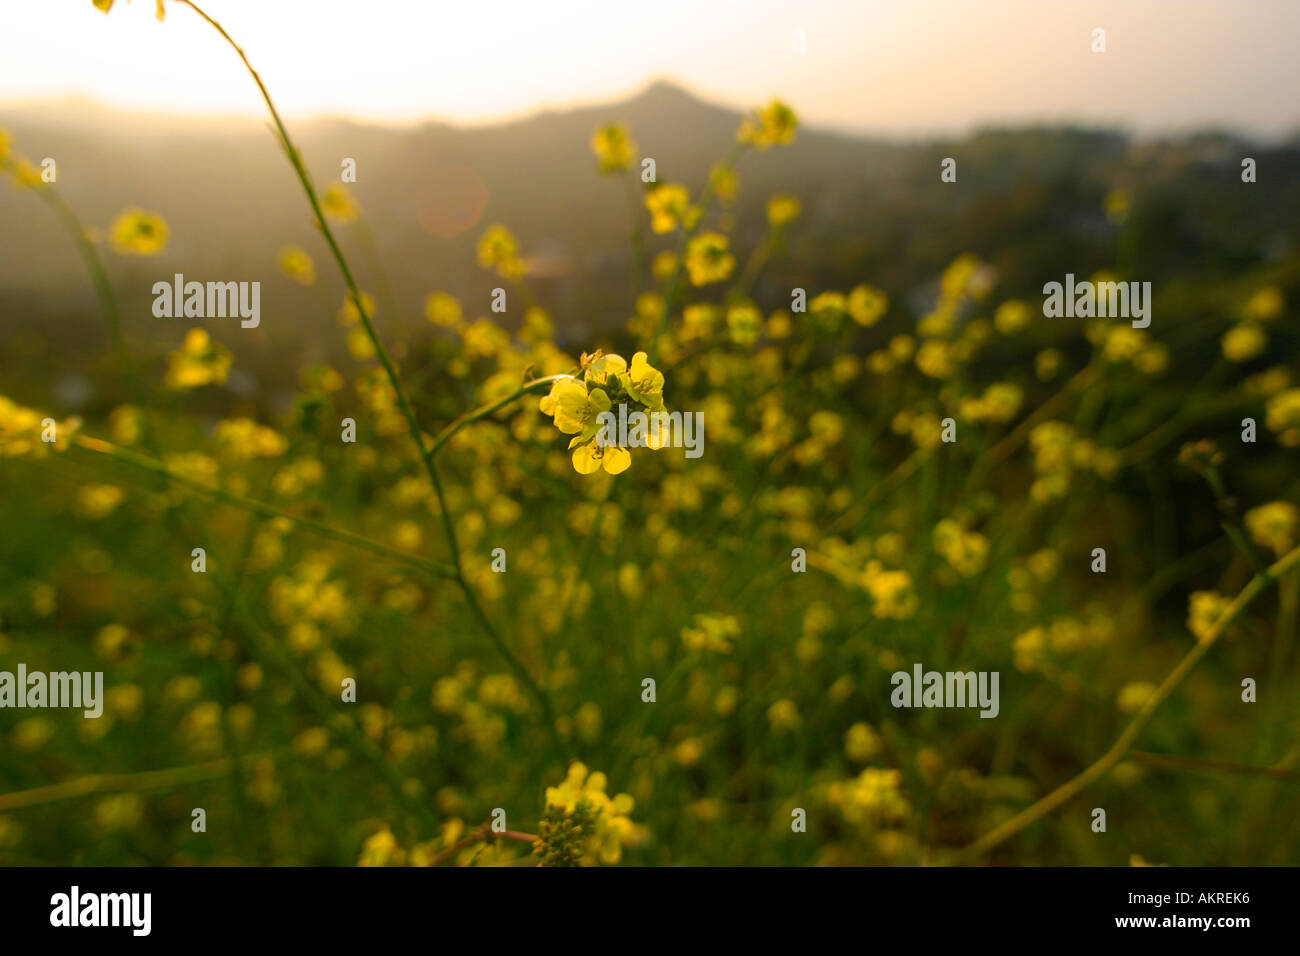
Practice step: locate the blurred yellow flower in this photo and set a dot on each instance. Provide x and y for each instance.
(1244, 342)
(1273, 526)
(138, 233)
(338, 205)
(782, 209)
(296, 264)
(771, 125)
(613, 147)
(707, 258)
(199, 361)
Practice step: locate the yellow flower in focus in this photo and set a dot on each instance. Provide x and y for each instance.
(576, 409)
(581, 824)
(613, 147)
(590, 458)
(707, 259)
(1273, 526)
(138, 233)
(772, 125)
(297, 265)
(644, 382)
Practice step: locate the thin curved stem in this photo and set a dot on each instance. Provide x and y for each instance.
(403, 403)
(1125, 741)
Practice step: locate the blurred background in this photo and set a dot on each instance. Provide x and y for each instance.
(1126, 162)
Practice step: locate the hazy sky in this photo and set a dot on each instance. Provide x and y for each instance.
(881, 65)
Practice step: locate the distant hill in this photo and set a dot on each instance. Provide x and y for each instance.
(1030, 200)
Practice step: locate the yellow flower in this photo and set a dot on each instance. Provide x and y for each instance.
(1204, 608)
(498, 249)
(349, 315)
(644, 382)
(96, 501)
(381, 849)
(782, 209)
(1265, 304)
(872, 797)
(670, 207)
(935, 359)
(723, 181)
(867, 304)
(199, 361)
(242, 439)
(297, 265)
(1011, 317)
(23, 431)
(443, 309)
(861, 743)
(744, 322)
(772, 125)
(338, 205)
(138, 233)
(1283, 413)
(711, 632)
(1273, 526)
(590, 458)
(783, 715)
(1244, 342)
(891, 592)
(581, 824)
(707, 258)
(576, 409)
(613, 148)
(966, 551)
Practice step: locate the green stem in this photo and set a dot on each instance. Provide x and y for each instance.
(404, 405)
(1125, 741)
